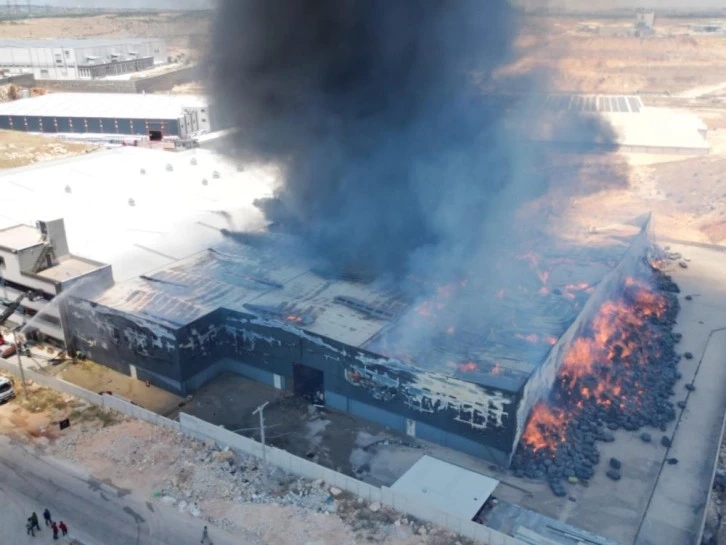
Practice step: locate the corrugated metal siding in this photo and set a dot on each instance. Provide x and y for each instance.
(374, 414)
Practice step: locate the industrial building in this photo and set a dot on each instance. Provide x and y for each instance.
(253, 306)
(636, 127)
(192, 300)
(35, 267)
(155, 116)
(67, 59)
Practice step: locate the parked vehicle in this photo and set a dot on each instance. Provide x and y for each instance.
(7, 392)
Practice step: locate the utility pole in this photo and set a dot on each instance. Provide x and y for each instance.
(261, 410)
(20, 363)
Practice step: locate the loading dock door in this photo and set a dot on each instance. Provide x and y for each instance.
(308, 383)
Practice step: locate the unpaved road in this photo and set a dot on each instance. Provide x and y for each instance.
(96, 513)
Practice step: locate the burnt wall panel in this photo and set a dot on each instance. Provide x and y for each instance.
(228, 334)
(121, 341)
(464, 412)
(460, 408)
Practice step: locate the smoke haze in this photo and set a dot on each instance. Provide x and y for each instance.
(394, 161)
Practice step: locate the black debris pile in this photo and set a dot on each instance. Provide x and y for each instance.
(620, 373)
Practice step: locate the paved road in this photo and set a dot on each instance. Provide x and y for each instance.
(96, 513)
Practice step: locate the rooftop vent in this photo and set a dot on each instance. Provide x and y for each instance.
(365, 308)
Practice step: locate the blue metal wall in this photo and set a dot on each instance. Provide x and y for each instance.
(447, 411)
(139, 127)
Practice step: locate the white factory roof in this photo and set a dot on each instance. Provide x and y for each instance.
(174, 214)
(637, 127)
(104, 105)
(72, 43)
(446, 487)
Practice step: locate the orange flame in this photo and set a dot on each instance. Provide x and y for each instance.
(609, 343)
(545, 428)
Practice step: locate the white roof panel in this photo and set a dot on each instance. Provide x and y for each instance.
(173, 215)
(104, 105)
(447, 487)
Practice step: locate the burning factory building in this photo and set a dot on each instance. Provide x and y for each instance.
(258, 307)
(411, 273)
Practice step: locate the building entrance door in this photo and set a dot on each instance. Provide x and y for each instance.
(308, 383)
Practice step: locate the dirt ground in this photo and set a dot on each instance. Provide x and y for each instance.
(185, 33)
(223, 488)
(604, 56)
(325, 437)
(19, 149)
(99, 378)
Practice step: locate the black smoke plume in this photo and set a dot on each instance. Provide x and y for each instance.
(404, 148)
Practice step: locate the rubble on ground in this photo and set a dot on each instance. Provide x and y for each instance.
(213, 483)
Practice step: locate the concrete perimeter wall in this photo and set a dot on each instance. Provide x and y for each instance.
(205, 431)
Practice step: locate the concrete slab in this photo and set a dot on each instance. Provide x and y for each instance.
(448, 487)
(676, 509)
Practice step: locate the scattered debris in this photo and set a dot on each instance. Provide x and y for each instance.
(613, 474)
(227, 489)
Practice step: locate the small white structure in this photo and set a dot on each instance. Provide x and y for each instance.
(645, 20)
(446, 487)
(66, 59)
(36, 266)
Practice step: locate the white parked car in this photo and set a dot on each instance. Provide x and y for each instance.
(7, 392)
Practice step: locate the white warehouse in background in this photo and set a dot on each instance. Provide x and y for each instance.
(68, 59)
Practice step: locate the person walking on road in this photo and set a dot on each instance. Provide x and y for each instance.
(46, 516)
(205, 536)
(34, 519)
(63, 528)
(29, 527)
(54, 526)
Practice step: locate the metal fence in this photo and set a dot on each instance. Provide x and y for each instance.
(205, 431)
